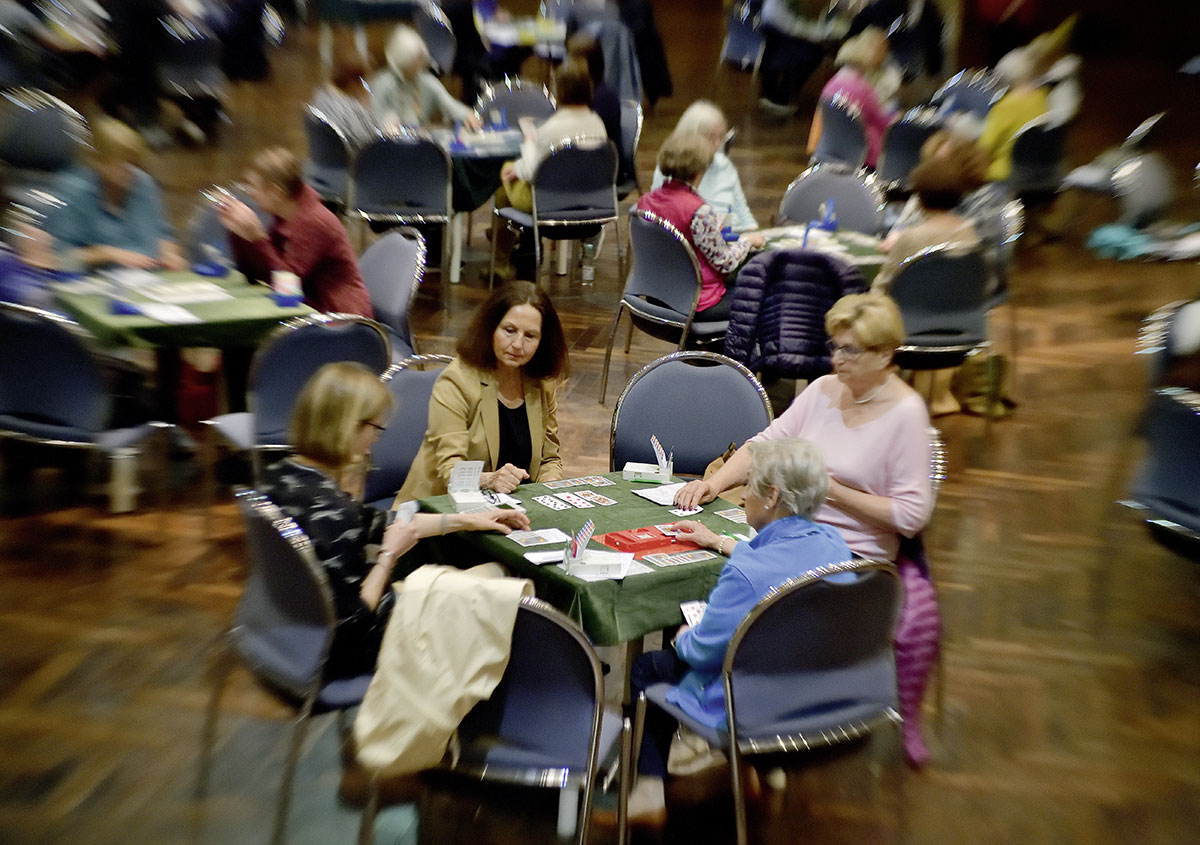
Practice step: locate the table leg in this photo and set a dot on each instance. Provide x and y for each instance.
(456, 247)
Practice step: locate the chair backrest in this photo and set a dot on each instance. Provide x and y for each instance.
(206, 237)
(39, 131)
(51, 385)
(576, 182)
(392, 269)
(940, 291)
(327, 146)
(816, 656)
(1144, 188)
(190, 59)
(405, 176)
(1156, 338)
(293, 352)
(972, 90)
(395, 449)
(1038, 156)
(664, 264)
(1169, 482)
(843, 134)
(743, 44)
(503, 104)
(902, 144)
(285, 619)
(434, 28)
(549, 701)
(662, 399)
(856, 198)
(631, 138)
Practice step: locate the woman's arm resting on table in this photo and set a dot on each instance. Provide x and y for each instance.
(735, 471)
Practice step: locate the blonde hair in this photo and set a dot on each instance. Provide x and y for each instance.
(860, 50)
(793, 466)
(873, 317)
(684, 156)
(279, 166)
(114, 141)
(331, 408)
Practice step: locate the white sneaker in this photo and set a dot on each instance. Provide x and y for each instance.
(648, 802)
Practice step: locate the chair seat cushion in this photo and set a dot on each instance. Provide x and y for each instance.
(41, 430)
(498, 756)
(1168, 509)
(341, 693)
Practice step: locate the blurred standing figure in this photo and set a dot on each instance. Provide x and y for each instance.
(345, 101)
(859, 58)
(133, 92)
(794, 33)
(1023, 102)
(915, 34)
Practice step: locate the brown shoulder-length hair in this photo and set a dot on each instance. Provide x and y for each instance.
(475, 345)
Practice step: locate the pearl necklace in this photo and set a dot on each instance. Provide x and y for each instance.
(872, 394)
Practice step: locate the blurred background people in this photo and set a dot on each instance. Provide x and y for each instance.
(345, 101)
(406, 93)
(858, 59)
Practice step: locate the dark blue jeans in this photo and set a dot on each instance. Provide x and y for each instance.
(652, 668)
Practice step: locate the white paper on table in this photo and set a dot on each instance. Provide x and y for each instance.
(664, 494)
(501, 499)
(540, 558)
(602, 567)
(132, 278)
(174, 314)
(182, 293)
(464, 476)
(538, 538)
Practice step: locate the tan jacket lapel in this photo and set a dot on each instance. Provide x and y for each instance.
(491, 417)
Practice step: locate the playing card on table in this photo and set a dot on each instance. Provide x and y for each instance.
(597, 481)
(551, 502)
(685, 511)
(566, 482)
(593, 496)
(538, 538)
(693, 556)
(733, 515)
(572, 499)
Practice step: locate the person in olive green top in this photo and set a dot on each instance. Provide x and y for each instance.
(1024, 102)
(496, 402)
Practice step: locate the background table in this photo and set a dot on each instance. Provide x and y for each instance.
(853, 247)
(610, 612)
(242, 320)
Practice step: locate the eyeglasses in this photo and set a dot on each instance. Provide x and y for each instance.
(376, 426)
(849, 351)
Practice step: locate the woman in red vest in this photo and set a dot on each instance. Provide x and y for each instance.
(683, 158)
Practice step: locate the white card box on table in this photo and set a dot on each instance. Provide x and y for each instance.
(653, 473)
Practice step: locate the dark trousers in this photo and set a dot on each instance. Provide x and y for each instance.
(787, 63)
(652, 668)
(720, 309)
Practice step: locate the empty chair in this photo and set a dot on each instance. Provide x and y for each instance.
(1168, 485)
(662, 289)
(974, 91)
(902, 144)
(405, 179)
(661, 399)
(1038, 160)
(285, 361)
(40, 137)
(504, 103)
(574, 195)
(434, 28)
(1143, 187)
(856, 198)
(327, 168)
(836, 682)
(631, 137)
(190, 69)
(544, 724)
(411, 383)
(843, 135)
(53, 391)
(742, 47)
(392, 269)
(282, 630)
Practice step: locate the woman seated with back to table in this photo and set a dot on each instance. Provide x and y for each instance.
(859, 59)
(337, 417)
(112, 211)
(496, 402)
(345, 101)
(407, 94)
(786, 484)
(873, 431)
(683, 160)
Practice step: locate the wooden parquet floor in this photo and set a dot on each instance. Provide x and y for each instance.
(1067, 705)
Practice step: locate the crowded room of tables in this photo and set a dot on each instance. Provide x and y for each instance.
(598, 420)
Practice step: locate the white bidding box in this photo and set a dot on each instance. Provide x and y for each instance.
(654, 473)
(596, 564)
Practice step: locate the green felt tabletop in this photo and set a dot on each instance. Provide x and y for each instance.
(610, 612)
(860, 250)
(242, 320)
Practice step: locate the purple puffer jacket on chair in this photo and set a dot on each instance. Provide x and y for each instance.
(777, 321)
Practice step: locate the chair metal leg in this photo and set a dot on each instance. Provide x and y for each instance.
(221, 666)
(123, 479)
(289, 773)
(366, 828)
(495, 236)
(629, 337)
(626, 777)
(568, 815)
(456, 246)
(739, 796)
(620, 251)
(608, 350)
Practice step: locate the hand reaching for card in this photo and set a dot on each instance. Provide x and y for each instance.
(694, 532)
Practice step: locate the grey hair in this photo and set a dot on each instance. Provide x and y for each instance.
(1017, 67)
(859, 50)
(403, 47)
(793, 466)
(701, 117)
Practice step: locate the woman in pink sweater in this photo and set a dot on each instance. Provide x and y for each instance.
(859, 60)
(874, 432)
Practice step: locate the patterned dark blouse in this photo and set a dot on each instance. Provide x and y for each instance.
(340, 530)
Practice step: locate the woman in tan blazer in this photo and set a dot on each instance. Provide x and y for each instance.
(496, 402)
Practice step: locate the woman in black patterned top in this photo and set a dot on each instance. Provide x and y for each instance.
(337, 418)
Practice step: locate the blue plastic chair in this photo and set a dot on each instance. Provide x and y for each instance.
(631, 138)
(190, 66)
(857, 200)
(843, 135)
(662, 289)
(282, 630)
(901, 151)
(544, 724)
(433, 27)
(284, 363)
(973, 90)
(502, 104)
(1168, 486)
(411, 384)
(574, 195)
(1038, 160)
(327, 168)
(657, 401)
(743, 44)
(40, 137)
(392, 269)
(810, 666)
(53, 391)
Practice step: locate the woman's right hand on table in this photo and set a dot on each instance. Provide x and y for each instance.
(694, 494)
(694, 532)
(504, 480)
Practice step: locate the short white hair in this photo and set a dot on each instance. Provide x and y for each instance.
(793, 466)
(1017, 67)
(404, 47)
(701, 117)
(860, 49)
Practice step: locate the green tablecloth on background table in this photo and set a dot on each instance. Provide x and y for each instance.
(860, 250)
(610, 612)
(240, 321)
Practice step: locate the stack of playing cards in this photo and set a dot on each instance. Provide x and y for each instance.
(676, 558)
(585, 481)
